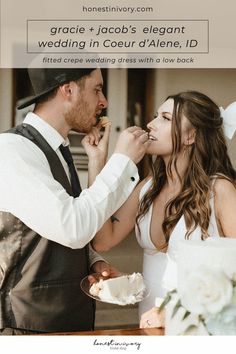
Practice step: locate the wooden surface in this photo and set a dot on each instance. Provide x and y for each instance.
(115, 332)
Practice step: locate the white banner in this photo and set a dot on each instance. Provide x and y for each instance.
(115, 34)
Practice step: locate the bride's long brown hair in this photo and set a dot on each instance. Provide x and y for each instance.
(208, 157)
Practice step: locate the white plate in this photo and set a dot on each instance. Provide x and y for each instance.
(86, 285)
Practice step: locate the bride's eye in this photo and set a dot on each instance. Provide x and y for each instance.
(165, 118)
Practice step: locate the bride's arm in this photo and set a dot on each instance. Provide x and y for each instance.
(225, 207)
(122, 223)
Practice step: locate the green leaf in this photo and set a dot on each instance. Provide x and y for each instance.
(201, 319)
(172, 291)
(166, 299)
(187, 313)
(177, 306)
(189, 328)
(165, 302)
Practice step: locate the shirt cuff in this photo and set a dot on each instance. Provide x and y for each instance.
(120, 162)
(94, 256)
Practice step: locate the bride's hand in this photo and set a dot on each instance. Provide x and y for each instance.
(95, 146)
(153, 318)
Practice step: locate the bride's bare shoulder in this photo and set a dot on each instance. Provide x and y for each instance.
(225, 193)
(223, 187)
(225, 206)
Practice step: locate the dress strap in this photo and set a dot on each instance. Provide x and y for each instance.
(145, 188)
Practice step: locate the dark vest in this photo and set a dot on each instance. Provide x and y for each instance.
(39, 278)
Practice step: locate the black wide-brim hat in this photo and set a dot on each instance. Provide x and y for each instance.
(44, 80)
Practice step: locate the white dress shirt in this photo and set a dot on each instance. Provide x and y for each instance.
(29, 191)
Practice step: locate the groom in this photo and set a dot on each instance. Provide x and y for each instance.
(46, 221)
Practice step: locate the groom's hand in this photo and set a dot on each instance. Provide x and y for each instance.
(104, 271)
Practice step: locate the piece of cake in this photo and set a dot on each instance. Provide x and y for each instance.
(104, 120)
(123, 290)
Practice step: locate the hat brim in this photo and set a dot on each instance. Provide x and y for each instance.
(32, 99)
(56, 80)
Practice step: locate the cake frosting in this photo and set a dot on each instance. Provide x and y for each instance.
(205, 288)
(104, 121)
(123, 290)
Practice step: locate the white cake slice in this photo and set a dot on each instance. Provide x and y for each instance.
(123, 290)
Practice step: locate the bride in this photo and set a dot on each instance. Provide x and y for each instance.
(190, 193)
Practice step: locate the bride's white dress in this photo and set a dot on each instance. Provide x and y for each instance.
(159, 269)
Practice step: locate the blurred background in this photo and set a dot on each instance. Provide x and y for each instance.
(133, 97)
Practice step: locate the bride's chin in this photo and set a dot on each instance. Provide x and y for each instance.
(151, 151)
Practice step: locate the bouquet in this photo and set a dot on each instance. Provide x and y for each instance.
(204, 304)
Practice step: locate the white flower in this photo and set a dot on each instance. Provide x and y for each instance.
(177, 323)
(223, 323)
(206, 291)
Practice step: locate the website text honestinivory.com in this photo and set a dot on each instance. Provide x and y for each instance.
(116, 9)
